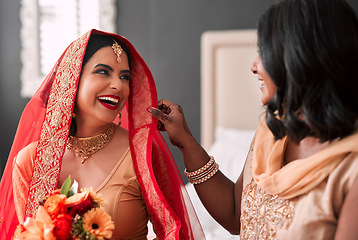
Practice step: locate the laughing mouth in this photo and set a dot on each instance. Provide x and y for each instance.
(109, 100)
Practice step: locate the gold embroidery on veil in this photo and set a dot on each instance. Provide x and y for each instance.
(55, 127)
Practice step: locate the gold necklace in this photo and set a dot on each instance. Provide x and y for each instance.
(86, 147)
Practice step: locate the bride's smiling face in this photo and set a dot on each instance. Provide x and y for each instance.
(267, 86)
(103, 87)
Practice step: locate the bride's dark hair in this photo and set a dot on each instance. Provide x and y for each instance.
(98, 41)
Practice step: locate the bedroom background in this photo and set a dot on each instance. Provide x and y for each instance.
(166, 33)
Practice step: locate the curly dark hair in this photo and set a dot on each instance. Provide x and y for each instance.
(310, 50)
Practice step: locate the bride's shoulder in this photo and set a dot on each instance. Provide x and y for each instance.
(27, 153)
(23, 162)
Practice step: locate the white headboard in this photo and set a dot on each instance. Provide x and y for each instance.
(230, 93)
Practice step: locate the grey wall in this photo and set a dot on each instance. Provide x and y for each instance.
(11, 104)
(166, 33)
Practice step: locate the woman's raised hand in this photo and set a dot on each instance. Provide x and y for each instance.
(171, 119)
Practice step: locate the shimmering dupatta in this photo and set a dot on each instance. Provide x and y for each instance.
(46, 120)
(299, 176)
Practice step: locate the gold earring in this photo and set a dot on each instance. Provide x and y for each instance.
(74, 115)
(119, 119)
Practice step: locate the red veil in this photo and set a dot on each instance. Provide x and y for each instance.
(46, 120)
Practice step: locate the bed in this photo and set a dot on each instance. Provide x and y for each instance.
(230, 108)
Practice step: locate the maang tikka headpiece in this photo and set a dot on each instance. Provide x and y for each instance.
(117, 50)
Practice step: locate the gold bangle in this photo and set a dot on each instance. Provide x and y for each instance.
(200, 170)
(207, 177)
(204, 173)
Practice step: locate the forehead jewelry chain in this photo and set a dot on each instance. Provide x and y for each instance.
(117, 50)
(86, 147)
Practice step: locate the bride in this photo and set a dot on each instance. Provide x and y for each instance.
(68, 128)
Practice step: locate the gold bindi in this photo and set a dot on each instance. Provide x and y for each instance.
(117, 50)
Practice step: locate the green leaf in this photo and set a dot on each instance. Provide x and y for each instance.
(92, 236)
(66, 186)
(74, 189)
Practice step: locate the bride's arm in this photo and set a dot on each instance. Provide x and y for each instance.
(21, 178)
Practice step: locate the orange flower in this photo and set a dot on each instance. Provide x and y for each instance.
(56, 191)
(96, 197)
(19, 229)
(62, 229)
(56, 204)
(38, 228)
(99, 223)
(77, 198)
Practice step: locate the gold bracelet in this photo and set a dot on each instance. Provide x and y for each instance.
(204, 173)
(207, 177)
(200, 170)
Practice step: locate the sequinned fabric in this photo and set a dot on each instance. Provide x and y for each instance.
(263, 214)
(310, 215)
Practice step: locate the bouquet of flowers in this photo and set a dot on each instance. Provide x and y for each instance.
(67, 214)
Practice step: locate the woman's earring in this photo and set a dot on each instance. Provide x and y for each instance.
(119, 119)
(74, 115)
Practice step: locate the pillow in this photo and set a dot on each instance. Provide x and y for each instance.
(230, 149)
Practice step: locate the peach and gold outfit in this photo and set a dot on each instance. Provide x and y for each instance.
(301, 200)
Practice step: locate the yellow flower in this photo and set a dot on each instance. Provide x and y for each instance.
(96, 197)
(99, 223)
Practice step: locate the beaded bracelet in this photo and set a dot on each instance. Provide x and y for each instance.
(200, 170)
(207, 177)
(204, 173)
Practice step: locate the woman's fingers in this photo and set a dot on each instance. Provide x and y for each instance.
(161, 127)
(167, 106)
(171, 119)
(160, 115)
